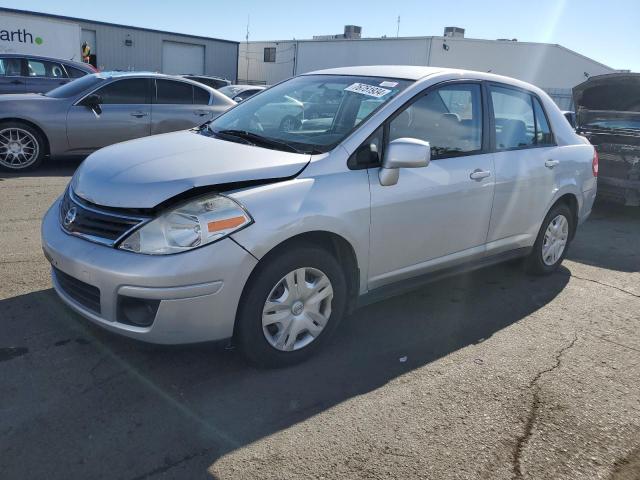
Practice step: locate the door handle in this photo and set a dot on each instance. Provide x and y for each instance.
(201, 113)
(551, 163)
(478, 174)
(16, 82)
(138, 114)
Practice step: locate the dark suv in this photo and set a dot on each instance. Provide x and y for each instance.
(34, 74)
(608, 114)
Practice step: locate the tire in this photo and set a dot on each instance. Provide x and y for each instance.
(544, 260)
(17, 135)
(266, 342)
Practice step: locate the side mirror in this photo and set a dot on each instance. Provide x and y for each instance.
(93, 102)
(403, 153)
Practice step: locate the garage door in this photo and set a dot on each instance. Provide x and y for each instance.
(182, 58)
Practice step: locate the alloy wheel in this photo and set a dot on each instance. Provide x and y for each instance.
(297, 309)
(18, 148)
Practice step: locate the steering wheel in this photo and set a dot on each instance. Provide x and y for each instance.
(254, 123)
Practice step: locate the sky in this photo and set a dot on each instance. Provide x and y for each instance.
(607, 31)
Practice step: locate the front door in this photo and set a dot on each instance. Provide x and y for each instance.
(439, 214)
(126, 114)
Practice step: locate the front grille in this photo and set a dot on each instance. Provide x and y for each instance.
(83, 293)
(102, 226)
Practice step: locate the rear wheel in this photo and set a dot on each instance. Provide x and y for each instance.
(22, 147)
(290, 307)
(552, 242)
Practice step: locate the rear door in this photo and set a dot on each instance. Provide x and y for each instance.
(438, 214)
(12, 75)
(178, 106)
(526, 161)
(44, 75)
(126, 114)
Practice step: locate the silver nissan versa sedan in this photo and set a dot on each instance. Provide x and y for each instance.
(269, 236)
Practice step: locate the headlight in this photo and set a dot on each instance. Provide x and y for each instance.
(193, 224)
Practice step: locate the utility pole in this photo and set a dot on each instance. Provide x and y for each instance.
(247, 48)
(398, 28)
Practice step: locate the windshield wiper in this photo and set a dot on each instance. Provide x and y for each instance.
(255, 139)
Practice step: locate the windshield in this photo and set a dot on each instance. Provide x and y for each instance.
(310, 113)
(75, 87)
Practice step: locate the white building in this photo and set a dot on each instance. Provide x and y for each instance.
(554, 68)
(115, 47)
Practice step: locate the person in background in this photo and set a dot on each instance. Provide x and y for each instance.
(86, 52)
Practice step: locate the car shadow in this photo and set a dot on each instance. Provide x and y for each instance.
(60, 167)
(609, 239)
(83, 403)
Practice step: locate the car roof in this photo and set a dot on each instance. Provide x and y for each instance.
(109, 75)
(408, 72)
(50, 59)
(416, 73)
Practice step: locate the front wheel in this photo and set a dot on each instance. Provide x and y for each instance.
(21, 147)
(290, 307)
(552, 242)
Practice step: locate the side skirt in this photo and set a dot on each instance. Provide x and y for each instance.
(398, 288)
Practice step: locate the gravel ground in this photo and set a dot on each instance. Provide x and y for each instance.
(490, 375)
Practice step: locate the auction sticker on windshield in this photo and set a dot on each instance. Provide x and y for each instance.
(368, 90)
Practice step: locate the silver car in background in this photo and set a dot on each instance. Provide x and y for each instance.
(99, 110)
(269, 235)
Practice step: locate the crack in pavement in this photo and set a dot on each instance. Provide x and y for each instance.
(605, 285)
(533, 412)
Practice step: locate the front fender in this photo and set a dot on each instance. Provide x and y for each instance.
(337, 203)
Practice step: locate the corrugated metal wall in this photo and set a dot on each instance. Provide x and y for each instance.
(145, 53)
(551, 67)
(321, 54)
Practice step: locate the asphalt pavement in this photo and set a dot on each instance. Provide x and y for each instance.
(488, 375)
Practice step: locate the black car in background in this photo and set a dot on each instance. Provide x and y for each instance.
(34, 74)
(608, 115)
(213, 82)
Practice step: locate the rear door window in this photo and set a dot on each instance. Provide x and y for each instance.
(514, 118)
(75, 72)
(200, 96)
(131, 91)
(544, 136)
(174, 93)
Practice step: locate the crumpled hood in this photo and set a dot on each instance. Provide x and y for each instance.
(145, 172)
(618, 92)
